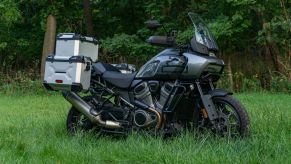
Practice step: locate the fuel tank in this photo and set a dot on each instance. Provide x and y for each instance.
(170, 65)
(167, 65)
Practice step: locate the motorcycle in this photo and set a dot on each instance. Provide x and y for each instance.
(175, 90)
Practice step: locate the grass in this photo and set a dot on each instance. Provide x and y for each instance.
(33, 131)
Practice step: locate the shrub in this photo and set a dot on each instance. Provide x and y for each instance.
(21, 82)
(127, 45)
(280, 84)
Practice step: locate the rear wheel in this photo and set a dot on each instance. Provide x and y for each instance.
(77, 122)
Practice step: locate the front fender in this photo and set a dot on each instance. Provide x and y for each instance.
(219, 93)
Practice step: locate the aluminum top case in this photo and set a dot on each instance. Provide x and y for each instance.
(69, 73)
(71, 44)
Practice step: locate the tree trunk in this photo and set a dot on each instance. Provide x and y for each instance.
(273, 49)
(270, 45)
(88, 18)
(230, 77)
(49, 41)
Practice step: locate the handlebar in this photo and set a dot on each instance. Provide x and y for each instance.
(162, 40)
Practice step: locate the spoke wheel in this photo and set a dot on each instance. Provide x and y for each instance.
(233, 120)
(77, 122)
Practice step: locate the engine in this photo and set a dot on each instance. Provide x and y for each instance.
(143, 94)
(141, 117)
(154, 96)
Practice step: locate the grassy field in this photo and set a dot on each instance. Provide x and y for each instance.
(33, 131)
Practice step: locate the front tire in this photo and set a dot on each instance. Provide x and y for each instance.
(233, 120)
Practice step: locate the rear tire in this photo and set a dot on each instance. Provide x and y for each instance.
(77, 122)
(233, 119)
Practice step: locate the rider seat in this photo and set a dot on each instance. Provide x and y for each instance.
(112, 75)
(118, 79)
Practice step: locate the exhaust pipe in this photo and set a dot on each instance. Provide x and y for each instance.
(87, 110)
(146, 107)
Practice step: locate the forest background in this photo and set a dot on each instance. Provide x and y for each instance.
(254, 36)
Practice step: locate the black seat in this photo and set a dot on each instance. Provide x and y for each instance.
(112, 75)
(118, 79)
(99, 68)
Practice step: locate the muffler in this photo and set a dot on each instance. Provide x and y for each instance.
(86, 109)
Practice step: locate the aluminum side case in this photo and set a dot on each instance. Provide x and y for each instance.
(71, 73)
(71, 44)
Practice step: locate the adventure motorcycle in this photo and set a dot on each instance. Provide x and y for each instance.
(174, 90)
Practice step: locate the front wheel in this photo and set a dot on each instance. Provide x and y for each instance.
(233, 120)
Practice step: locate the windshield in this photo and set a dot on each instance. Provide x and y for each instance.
(202, 33)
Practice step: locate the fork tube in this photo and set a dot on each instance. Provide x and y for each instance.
(207, 103)
(211, 85)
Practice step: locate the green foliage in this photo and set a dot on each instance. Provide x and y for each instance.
(280, 84)
(9, 12)
(221, 28)
(127, 45)
(277, 22)
(28, 87)
(244, 83)
(19, 83)
(251, 85)
(238, 25)
(185, 36)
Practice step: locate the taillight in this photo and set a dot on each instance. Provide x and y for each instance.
(59, 81)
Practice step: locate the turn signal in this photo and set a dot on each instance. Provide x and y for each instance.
(204, 113)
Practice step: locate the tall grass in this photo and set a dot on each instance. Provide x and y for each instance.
(33, 131)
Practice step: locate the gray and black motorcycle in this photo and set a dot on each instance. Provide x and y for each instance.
(175, 90)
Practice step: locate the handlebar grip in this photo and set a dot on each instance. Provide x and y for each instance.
(161, 40)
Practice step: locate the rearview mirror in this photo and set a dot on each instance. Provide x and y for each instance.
(153, 24)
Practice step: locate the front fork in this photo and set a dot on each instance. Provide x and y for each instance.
(207, 102)
(207, 99)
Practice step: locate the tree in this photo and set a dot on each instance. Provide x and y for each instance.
(88, 18)
(49, 40)
(9, 15)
